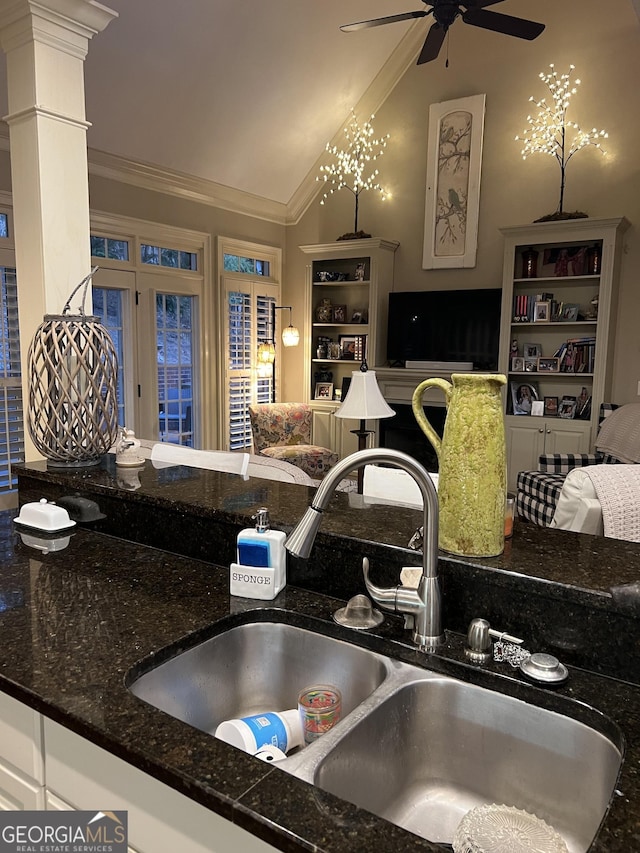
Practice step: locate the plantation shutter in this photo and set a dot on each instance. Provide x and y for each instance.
(11, 405)
(248, 323)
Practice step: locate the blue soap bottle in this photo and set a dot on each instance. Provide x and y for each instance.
(260, 570)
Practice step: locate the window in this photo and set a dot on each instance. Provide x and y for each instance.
(174, 258)
(150, 304)
(249, 266)
(4, 225)
(251, 289)
(11, 408)
(175, 358)
(108, 306)
(105, 247)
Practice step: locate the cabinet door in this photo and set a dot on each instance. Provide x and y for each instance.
(19, 792)
(566, 437)
(525, 443)
(21, 738)
(322, 428)
(160, 818)
(57, 804)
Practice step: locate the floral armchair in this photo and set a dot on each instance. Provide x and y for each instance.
(283, 431)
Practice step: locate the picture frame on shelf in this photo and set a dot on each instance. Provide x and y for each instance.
(570, 312)
(339, 313)
(353, 346)
(583, 407)
(356, 317)
(542, 312)
(517, 364)
(551, 407)
(548, 365)
(323, 391)
(522, 396)
(530, 365)
(567, 408)
(530, 350)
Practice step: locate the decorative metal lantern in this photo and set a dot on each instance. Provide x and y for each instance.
(73, 370)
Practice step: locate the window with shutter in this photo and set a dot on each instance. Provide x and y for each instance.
(11, 404)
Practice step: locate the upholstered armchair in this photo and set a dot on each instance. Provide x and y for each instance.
(549, 497)
(283, 431)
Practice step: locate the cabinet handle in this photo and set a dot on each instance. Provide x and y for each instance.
(540, 430)
(548, 432)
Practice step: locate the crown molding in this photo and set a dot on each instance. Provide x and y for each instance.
(376, 94)
(169, 182)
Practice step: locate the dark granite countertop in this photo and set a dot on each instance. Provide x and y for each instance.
(78, 620)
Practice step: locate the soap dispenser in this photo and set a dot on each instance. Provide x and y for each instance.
(260, 570)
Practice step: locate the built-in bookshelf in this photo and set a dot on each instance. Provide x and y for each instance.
(556, 343)
(347, 289)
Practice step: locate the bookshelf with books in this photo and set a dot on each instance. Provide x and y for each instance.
(556, 341)
(347, 289)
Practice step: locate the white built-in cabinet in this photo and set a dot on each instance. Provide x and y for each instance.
(354, 277)
(44, 765)
(21, 757)
(577, 261)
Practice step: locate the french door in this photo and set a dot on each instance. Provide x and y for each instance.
(153, 321)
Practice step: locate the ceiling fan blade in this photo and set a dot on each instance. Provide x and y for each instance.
(479, 4)
(499, 23)
(378, 22)
(432, 44)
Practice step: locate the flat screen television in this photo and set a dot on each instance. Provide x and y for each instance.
(445, 326)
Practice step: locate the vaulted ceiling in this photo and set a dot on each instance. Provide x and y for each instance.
(239, 92)
(243, 94)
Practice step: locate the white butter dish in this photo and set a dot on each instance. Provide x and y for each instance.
(43, 515)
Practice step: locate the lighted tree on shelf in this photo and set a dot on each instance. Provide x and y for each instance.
(548, 132)
(353, 169)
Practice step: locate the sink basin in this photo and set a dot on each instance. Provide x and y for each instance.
(414, 746)
(443, 747)
(258, 666)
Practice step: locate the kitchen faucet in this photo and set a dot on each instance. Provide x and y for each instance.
(421, 606)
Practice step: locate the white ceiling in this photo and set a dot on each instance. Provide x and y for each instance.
(239, 92)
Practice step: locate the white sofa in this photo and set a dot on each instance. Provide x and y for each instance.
(601, 500)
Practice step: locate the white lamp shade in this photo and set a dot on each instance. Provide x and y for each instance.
(290, 336)
(364, 399)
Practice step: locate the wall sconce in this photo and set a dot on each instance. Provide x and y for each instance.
(290, 335)
(266, 353)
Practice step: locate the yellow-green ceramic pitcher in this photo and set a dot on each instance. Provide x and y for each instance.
(472, 485)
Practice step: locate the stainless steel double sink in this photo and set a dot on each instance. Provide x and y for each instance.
(413, 746)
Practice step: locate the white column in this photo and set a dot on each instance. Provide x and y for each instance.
(46, 43)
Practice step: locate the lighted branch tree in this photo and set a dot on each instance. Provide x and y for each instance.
(549, 131)
(353, 167)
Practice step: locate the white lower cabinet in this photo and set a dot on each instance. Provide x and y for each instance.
(18, 792)
(528, 437)
(21, 760)
(334, 433)
(160, 820)
(45, 766)
(54, 803)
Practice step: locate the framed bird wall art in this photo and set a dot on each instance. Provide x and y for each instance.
(453, 183)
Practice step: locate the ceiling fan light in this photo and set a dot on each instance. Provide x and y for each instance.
(290, 336)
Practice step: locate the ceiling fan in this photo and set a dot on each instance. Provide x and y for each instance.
(445, 12)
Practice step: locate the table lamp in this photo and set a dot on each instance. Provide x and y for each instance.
(364, 401)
